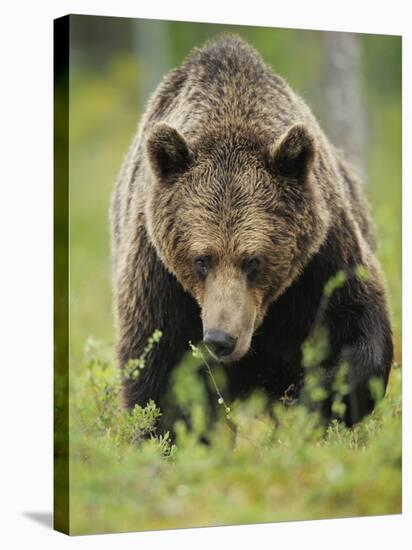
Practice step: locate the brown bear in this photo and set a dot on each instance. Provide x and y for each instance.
(230, 214)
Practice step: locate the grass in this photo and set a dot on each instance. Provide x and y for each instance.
(124, 475)
(127, 476)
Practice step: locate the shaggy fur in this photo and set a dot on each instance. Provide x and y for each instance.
(229, 165)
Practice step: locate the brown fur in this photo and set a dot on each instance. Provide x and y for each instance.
(229, 164)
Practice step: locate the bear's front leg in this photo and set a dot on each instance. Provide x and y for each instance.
(151, 302)
(368, 359)
(360, 338)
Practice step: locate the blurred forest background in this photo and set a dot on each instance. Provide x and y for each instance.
(353, 85)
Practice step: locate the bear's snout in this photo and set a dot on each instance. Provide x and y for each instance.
(219, 343)
(228, 315)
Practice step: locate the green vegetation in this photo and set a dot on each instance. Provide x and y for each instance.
(124, 474)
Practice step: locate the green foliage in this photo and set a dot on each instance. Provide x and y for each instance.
(202, 355)
(335, 282)
(187, 387)
(133, 366)
(316, 347)
(125, 475)
(258, 465)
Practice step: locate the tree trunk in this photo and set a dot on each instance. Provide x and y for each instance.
(345, 106)
(152, 47)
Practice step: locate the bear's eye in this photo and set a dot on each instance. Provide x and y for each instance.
(253, 266)
(201, 265)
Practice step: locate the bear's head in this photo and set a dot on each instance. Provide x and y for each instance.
(236, 220)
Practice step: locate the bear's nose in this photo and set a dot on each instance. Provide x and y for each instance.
(220, 343)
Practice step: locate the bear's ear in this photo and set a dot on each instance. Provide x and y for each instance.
(168, 152)
(293, 154)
